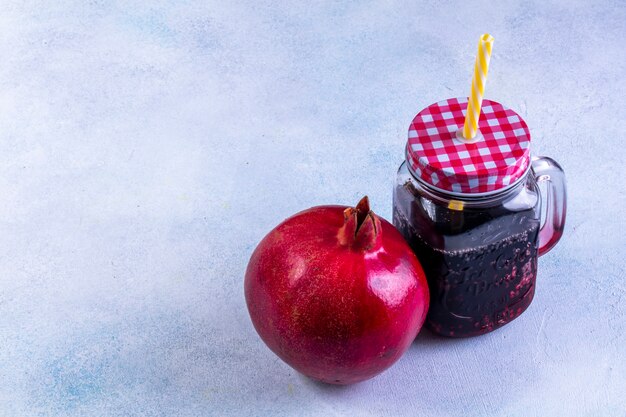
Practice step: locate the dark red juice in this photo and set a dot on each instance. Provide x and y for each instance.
(480, 263)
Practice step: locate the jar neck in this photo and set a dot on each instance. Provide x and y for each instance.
(468, 199)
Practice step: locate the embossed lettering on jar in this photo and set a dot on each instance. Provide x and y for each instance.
(472, 214)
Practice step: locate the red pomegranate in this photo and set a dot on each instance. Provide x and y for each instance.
(336, 293)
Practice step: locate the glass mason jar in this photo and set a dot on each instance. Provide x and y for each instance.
(479, 250)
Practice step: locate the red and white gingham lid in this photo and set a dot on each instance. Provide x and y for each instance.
(496, 160)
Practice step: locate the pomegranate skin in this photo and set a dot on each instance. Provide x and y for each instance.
(337, 311)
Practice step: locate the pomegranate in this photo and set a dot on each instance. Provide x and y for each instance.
(336, 293)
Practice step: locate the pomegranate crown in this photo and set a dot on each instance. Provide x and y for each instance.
(361, 228)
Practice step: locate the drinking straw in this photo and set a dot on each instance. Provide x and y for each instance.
(481, 67)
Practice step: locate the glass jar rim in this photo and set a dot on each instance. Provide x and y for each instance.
(479, 198)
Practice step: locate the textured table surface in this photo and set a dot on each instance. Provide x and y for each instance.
(145, 149)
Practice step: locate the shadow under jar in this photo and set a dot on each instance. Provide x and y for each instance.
(472, 212)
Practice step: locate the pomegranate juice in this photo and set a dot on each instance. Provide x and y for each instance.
(481, 264)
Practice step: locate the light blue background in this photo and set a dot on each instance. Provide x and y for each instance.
(145, 149)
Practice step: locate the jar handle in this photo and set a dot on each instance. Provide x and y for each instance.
(549, 174)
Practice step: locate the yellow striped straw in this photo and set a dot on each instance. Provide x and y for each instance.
(481, 67)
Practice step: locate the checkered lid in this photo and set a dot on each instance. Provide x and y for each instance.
(499, 157)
